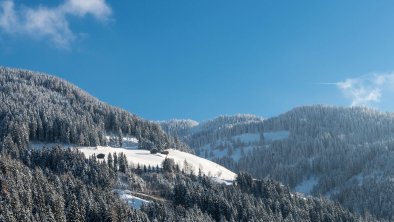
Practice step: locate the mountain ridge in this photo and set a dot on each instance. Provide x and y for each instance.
(43, 108)
(344, 153)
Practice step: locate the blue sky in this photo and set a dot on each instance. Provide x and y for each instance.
(200, 59)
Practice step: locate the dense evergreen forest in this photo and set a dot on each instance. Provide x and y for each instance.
(40, 107)
(58, 184)
(345, 154)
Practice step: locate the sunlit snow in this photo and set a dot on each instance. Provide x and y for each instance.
(144, 157)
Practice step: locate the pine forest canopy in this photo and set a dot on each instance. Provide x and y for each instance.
(40, 107)
(344, 153)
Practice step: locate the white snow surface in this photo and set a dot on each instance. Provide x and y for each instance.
(131, 200)
(127, 142)
(130, 139)
(144, 157)
(226, 182)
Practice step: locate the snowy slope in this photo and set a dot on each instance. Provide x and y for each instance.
(130, 199)
(144, 157)
(126, 142)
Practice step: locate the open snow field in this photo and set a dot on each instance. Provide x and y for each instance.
(130, 199)
(144, 157)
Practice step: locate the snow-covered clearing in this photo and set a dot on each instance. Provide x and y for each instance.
(131, 200)
(226, 182)
(144, 157)
(127, 142)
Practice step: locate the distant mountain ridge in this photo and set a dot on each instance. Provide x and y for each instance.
(193, 132)
(176, 125)
(345, 153)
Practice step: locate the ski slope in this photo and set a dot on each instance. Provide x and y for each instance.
(144, 157)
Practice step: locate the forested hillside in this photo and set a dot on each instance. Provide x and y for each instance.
(40, 107)
(198, 134)
(61, 184)
(345, 154)
(57, 184)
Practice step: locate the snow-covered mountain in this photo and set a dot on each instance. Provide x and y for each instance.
(224, 136)
(184, 127)
(41, 180)
(345, 154)
(43, 108)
